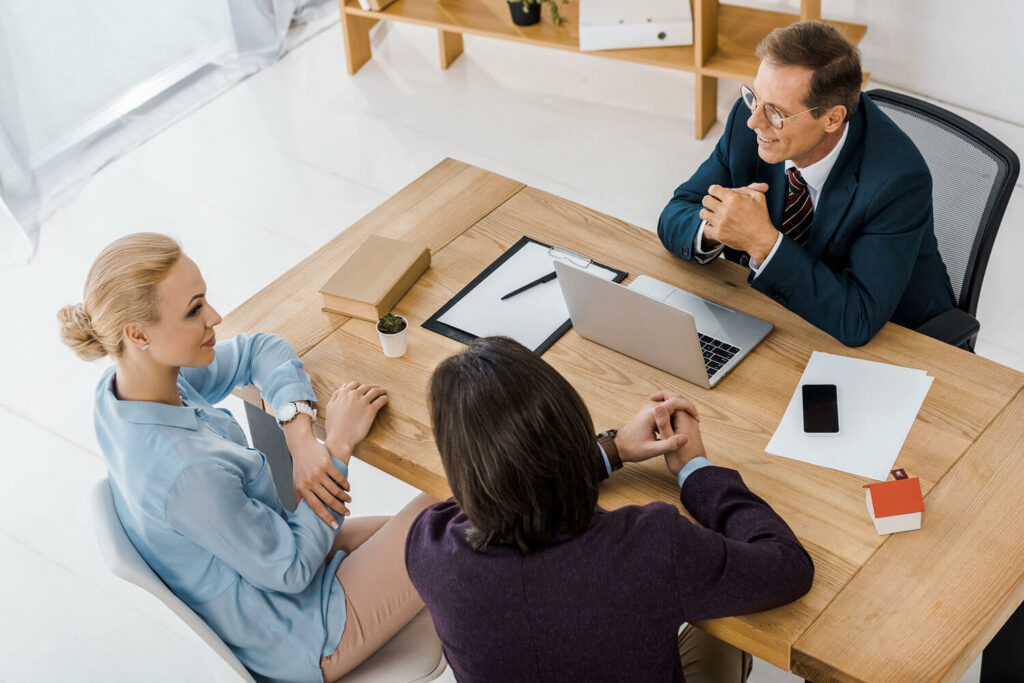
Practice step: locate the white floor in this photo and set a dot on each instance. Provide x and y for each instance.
(252, 183)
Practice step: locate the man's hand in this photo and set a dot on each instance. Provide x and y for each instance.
(317, 481)
(350, 414)
(738, 218)
(650, 433)
(683, 424)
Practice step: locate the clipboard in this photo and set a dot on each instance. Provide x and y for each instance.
(537, 318)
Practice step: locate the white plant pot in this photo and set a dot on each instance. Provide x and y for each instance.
(396, 344)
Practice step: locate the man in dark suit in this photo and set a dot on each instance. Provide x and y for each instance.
(820, 194)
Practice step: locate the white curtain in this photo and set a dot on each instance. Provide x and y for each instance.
(82, 81)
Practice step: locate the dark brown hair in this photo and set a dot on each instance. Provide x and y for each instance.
(821, 48)
(517, 444)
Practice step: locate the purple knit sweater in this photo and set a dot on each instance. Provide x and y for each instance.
(605, 605)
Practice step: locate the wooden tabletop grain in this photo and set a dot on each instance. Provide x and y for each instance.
(915, 606)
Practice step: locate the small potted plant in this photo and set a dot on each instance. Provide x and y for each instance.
(393, 330)
(527, 12)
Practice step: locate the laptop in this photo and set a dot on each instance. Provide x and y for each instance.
(661, 325)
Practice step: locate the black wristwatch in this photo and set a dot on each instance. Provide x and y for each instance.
(607, 441)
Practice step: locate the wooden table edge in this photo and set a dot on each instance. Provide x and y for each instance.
(812, 668)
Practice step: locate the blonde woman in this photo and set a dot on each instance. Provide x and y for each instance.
(302, 596)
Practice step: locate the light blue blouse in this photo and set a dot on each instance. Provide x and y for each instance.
(201, 508)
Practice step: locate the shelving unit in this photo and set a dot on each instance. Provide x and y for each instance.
(725, 37)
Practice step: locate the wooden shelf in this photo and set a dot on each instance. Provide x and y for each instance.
(490, 18)
(740, 29)
(726, 36)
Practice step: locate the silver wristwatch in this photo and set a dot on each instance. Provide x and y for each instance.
(289, 411)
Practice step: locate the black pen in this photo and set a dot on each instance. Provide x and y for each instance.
(539, 281)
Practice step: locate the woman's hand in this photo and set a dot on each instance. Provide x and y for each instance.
(651, 433)
(317, 481)
(350, 414)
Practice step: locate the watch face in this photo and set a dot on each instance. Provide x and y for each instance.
(286, 412)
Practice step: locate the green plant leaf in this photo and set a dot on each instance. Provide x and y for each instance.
(391, 324)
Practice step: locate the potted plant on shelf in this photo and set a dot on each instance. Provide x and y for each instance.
(527, 12)
(393, 330)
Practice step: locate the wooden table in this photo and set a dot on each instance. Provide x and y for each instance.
(910, 607)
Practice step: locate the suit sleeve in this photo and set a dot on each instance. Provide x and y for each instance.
(680, 219)
(266, 360)
(854, 304)
(745, 558)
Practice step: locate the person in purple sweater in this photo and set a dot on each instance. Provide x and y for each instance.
(528, 580)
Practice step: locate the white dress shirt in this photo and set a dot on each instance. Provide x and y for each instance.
(814, 176)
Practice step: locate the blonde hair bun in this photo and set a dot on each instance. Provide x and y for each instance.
(120, 289)
(76, 332)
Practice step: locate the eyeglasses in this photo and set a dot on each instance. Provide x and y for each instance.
(771, 112)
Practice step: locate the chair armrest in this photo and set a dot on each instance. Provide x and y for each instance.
(953, 327)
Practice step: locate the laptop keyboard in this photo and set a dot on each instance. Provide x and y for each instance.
(716, 353)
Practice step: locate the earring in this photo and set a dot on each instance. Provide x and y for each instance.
(145, 347)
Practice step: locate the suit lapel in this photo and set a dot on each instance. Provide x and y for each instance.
(775, 176)
(840, 186)
(835, 198)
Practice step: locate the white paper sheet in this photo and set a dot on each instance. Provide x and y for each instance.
(529, 317)
(877, 406)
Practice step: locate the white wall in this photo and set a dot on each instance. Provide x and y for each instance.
(969, 54)
(965, 53)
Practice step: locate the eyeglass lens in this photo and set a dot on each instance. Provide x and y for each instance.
(773, 115)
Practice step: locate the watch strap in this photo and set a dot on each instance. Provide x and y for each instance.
(300, 409)
(607, 442)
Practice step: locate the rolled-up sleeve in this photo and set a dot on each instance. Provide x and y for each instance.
(208, 505)
(266, 360)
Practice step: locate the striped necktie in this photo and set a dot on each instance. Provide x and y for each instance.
(799, 212)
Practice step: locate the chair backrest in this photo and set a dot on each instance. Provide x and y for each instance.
(973, 175)
(124, 560)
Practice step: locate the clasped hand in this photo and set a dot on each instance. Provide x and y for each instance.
(738, 218)
(666, 425)
(350, 414)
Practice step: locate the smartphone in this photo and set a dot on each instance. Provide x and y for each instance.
(821, 409)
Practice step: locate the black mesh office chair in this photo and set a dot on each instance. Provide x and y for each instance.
(973, 175)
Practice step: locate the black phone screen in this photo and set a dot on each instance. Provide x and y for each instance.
(821, 410)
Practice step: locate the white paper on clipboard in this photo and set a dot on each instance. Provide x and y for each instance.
(529, 317)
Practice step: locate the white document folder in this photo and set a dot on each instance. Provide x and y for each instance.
(619, 24)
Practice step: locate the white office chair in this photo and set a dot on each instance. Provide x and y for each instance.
(412, 656)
